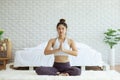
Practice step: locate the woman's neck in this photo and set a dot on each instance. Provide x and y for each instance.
(62, 37)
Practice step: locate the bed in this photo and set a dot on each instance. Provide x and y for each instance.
(11, 74)
(31, 75)
(34, 57)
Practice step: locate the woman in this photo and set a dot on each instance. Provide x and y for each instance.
(62, 47)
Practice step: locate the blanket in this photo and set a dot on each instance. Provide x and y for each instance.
(10, 74)
(31, 75)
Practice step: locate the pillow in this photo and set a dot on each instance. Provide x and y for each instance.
(39, 47)
(81, 46)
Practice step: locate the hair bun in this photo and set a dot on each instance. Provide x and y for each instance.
(62, 20)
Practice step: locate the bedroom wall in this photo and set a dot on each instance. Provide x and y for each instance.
(29, 22)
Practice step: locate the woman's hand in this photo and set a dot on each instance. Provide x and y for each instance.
(48, 50)
(61, 47)
(72, 45)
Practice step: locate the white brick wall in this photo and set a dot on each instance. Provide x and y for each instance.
(30, 22)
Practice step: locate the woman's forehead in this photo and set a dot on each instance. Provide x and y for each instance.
(61, 26)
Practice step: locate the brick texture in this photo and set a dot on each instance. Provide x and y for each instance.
(30, 22)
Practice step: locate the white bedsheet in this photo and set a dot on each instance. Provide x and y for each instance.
(31, 75)
(35, 57)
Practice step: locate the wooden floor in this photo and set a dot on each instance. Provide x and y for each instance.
(117, 68)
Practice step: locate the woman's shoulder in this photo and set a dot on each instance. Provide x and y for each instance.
(70, 40)
(52, 40)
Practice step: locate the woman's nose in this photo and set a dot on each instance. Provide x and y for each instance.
(61, 30)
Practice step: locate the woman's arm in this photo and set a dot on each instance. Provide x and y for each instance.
(74, 50)
(48, 50)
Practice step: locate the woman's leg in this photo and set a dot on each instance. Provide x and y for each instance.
(73, 71)
(46, 71)
(66, 70)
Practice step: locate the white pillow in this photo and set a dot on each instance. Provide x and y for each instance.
(81, 46)
(39, 47)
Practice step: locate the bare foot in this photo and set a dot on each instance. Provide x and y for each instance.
(67, 74)
(63, 74)
(58, 73)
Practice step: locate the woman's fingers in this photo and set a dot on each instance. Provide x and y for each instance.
(60, 47)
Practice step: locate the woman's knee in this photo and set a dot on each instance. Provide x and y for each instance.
(75, 71)
(39, 70)
(78, 71)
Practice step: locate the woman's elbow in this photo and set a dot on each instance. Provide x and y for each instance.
(76, 53)
(45, 52)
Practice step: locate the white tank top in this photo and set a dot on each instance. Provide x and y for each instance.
(65, 45)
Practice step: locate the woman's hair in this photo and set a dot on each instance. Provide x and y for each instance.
(62, 22)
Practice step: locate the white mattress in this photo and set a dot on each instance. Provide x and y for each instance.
(31, 75)
(35, 57)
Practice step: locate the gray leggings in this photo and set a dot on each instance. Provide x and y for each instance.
(58, 67)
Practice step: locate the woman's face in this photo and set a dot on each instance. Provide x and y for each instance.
(61, 30)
